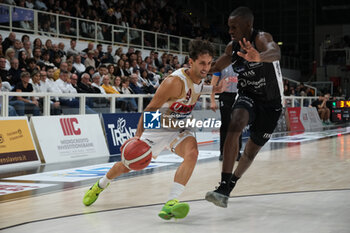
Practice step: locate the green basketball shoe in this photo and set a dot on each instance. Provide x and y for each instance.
(174, 209)
(92, 194)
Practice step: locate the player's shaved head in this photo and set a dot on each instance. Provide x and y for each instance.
(243, 12)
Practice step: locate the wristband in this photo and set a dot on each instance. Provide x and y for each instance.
(217, 73)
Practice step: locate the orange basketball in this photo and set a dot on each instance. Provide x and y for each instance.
(136, 154)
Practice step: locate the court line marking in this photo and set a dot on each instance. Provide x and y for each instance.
(155, 204)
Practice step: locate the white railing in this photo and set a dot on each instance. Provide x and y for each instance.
(204, 102)
(298, 101)
(5, 100)
(14, 18)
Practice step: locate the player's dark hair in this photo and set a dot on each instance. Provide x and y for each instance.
(198, 47)
(243, 12)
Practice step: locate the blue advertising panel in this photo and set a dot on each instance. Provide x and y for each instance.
(4, 14)
(119, 127)
(18, 14)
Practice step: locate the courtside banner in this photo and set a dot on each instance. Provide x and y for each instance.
(16, 143)
(69, 137)
(294, 122)
(310, 118)
(210, 134)
(119, 127)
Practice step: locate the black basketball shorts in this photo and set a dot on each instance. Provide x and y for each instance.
(263, 117)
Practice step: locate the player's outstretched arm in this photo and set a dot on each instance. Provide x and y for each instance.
(266, 49)
(170, 88)
(214, 81)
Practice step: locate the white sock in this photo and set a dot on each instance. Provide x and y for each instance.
(176, 191)
(104, 181)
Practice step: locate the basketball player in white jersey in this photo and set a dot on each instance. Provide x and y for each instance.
(176, 97)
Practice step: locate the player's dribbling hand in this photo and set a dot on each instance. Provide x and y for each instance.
(251, 55)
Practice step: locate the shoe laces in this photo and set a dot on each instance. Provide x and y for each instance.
(172, 202)
(223, 188)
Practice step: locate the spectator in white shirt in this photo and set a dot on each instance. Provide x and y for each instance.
(27, 48)
(10, 54)
(17, 46)
(29, 4)
(48, 85)
(40, 5)
(118, 14)
(72, 51)
(63, 84)
(35, 81)
(50, 79)
(79, 67)
(41, 86)
(5, 87)
(96, 82)
(90, 61)
(65, 87)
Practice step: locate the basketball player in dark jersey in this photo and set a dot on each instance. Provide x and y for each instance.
(255, 58)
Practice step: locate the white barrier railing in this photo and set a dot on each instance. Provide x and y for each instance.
(83, 29)
(298, 101)
(204, 102)
(5, 100)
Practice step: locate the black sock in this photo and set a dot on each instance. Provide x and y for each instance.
(234, 180)
(226, 177)
(224, 187)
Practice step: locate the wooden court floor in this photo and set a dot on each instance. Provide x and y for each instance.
(290, 187)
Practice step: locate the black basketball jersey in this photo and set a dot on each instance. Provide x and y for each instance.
(259, 80)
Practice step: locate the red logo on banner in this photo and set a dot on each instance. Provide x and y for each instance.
(294, 119)
(69, 126)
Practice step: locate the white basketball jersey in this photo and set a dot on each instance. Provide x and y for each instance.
(181, 107)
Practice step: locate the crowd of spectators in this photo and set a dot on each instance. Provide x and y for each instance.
(162, 16)
(297, 89)
(36, 66)
(322, 101)
(300, 89)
